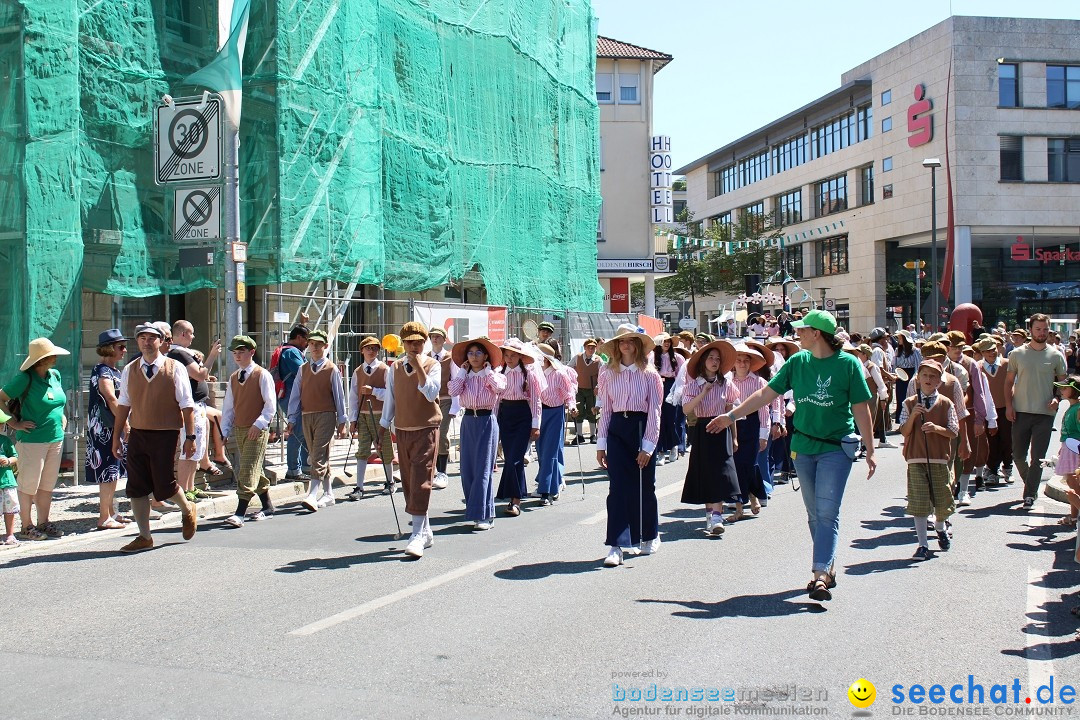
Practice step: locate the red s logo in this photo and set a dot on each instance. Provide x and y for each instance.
(1020, 250)
(921, 128)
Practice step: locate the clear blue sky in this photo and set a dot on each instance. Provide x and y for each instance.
(740, 65)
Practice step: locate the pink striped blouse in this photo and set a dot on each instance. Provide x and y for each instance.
(630, 390)
(717, 402)
(665, 368)
(478, 391)
(747, 386)
(561, 386)
(514, 392)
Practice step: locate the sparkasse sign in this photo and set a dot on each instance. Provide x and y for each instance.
(1022, 251)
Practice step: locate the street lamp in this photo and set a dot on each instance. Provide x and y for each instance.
(935, 321)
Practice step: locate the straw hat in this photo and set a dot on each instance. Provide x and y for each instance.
(515, 345)
(791, 346)
(548, 353)
(659, 339)
(757, 360)
(611, 347)
(769, 355)
(727, 357)
(492, 350)
(679, 350)
(41, 348)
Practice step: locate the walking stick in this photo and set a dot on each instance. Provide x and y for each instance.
(348, 453)
(581, 471)
(641, 492)
(386, 471)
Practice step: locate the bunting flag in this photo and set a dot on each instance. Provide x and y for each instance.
(223, 74)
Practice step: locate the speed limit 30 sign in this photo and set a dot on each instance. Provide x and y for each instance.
(187, 140)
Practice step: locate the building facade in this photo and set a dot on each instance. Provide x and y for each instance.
(846, 179)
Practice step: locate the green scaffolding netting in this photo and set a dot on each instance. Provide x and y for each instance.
(394, 142)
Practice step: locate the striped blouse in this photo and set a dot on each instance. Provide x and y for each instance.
(513, 390)
(560, 388)
(478, 390)
(718, 402)
(747, 386)
(666, 371)
(630, 390)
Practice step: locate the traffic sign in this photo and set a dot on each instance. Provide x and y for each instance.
(196, 214)
(912, 264)
(688, 324)
(187, 140)
(830, 305)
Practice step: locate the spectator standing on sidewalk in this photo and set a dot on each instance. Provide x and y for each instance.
(1030, 403)
(290, 360)
(447, 404)
(40, 433)
(587, 366)
(317, 408)
(103, 468)
(249, 407)
(155, 396)
(366, 396)
(180, 336)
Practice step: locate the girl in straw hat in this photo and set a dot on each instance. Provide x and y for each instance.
(629, 394)
(478, 386)
(518, 414)
(668, 363)
(751, 432)
(557, 398)
(711, 477)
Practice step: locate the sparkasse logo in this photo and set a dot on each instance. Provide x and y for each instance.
(1021, 251)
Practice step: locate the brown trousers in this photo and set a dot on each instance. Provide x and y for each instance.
(319, 429)
(416, 461)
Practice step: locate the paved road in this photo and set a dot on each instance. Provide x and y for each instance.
(320, 615)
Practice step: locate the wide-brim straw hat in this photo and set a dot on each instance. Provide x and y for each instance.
(611, 347)
(41, 348)
(659, 339)
(548, 353)
(768, 354)
(791, 346)
(757, 360)
(682, 351)
(727, 357)
(515, 345)
(493, 351)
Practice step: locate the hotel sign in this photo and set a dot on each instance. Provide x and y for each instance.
(660, 180)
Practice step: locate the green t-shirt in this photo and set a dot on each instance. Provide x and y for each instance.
(7, 477)
(824, 391)
(1035, 372)
(1070, 424)
(44, 406)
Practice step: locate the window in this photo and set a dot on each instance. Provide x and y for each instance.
(603, 88)
(832, 255)
(886, 191)
(788, 208)
(628, 88)
(754, 168)
(1062, 86)
(793, 261)
(1008, 85)
(722, 221)
(886, 164)
(886, 97)
(725, 180)
(832, 195)
(834, 135)
(1012, 158)
(754, 215)
(678, 207)
(866, 185)
(1062, 159)
(864, 120)
(886, 124)
(789, 154)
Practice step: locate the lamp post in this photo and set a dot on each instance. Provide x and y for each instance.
(935, 321)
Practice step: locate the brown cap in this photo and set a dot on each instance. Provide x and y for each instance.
(369, 341)
(956, 338)
(413, 330)
(934, 349)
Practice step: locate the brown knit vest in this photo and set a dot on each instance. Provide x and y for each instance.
(412, 411)
(935, 446)
(153, 402)
(587, 375)
(444, 389)
(376, 379)
(315, 392)
(247, 397)
(997, 381)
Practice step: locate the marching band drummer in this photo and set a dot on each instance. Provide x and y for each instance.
(479, 387)
(557, 399)
(518, 414)
(629, 394)
(366, 396)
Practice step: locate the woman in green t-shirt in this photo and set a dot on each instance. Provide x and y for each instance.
(40, 434)
(830, 395)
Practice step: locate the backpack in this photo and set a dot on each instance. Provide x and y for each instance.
(275, 372)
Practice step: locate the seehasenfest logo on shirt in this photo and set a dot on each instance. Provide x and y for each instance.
(821, 398)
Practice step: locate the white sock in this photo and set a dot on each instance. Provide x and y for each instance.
(361, 470)
(313, 489)
(920, 529)
(427, 526)
(965, 481)
(939, 526)
(980, 472)
(327, 485)
(417, 524)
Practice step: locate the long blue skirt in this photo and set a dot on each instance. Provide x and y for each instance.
(550, 449)
(765, 469)
(669, 432)
(515, 424)
(746, 459)
(631, 502)
(479, 442)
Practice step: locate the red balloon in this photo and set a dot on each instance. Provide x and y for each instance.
(964, 317)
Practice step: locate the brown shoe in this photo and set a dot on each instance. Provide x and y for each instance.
(191, 520)
(139, 544)
(513, 510)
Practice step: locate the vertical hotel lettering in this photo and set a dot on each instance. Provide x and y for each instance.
(660, 179)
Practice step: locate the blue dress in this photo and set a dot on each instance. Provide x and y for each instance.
(101, 466)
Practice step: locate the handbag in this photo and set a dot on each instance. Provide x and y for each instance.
(15, 405)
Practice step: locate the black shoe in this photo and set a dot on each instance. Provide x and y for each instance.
(943, 540)
(592, 439)
(579, 440)
(819, 590)
(923, 553)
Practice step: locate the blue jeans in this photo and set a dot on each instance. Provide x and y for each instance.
(823, 477)
(296, 454)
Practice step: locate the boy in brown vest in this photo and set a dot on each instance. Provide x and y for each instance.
(588, 373)
(250, 403)
(995, 368)
(155, 396)
(366, 397)
(929, 424)
(437, 336)
(317, 406)
(412, 404)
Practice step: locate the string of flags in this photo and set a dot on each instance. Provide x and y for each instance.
(694, 248)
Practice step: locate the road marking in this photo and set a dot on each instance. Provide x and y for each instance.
(602, 515)
(381, 602)
(1040, 662)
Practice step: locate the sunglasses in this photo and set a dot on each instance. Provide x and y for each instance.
(476, 353)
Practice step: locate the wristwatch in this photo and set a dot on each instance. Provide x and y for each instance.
(190, 437)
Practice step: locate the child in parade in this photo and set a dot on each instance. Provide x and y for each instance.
(668, 363)
(366, 397)
(751, 432)
(1068, 461)
(518, 415)
(557, 398)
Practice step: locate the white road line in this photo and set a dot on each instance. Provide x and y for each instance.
(1040, 662)
(602, 515)
(393, 597)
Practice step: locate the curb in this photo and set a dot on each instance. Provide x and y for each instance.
(1055, 490)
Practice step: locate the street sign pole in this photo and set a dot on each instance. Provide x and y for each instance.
(918, 298)
(234, 309)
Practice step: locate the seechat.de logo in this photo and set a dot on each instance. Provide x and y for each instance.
(1021, 250)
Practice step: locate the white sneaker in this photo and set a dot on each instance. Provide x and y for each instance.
(429, 539)
(440, 481)
(415, 546)
(673, 455)
(614, 557)
(234, 521)
(885, 444)
(483, 525)
(355, 494)
(661, 461)
(309, 503)
(964, 500)
(326, 501)
(717, 526)
(650, 547)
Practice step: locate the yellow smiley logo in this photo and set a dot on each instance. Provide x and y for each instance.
(862, 693)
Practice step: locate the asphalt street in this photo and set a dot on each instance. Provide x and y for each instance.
(322, 616)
